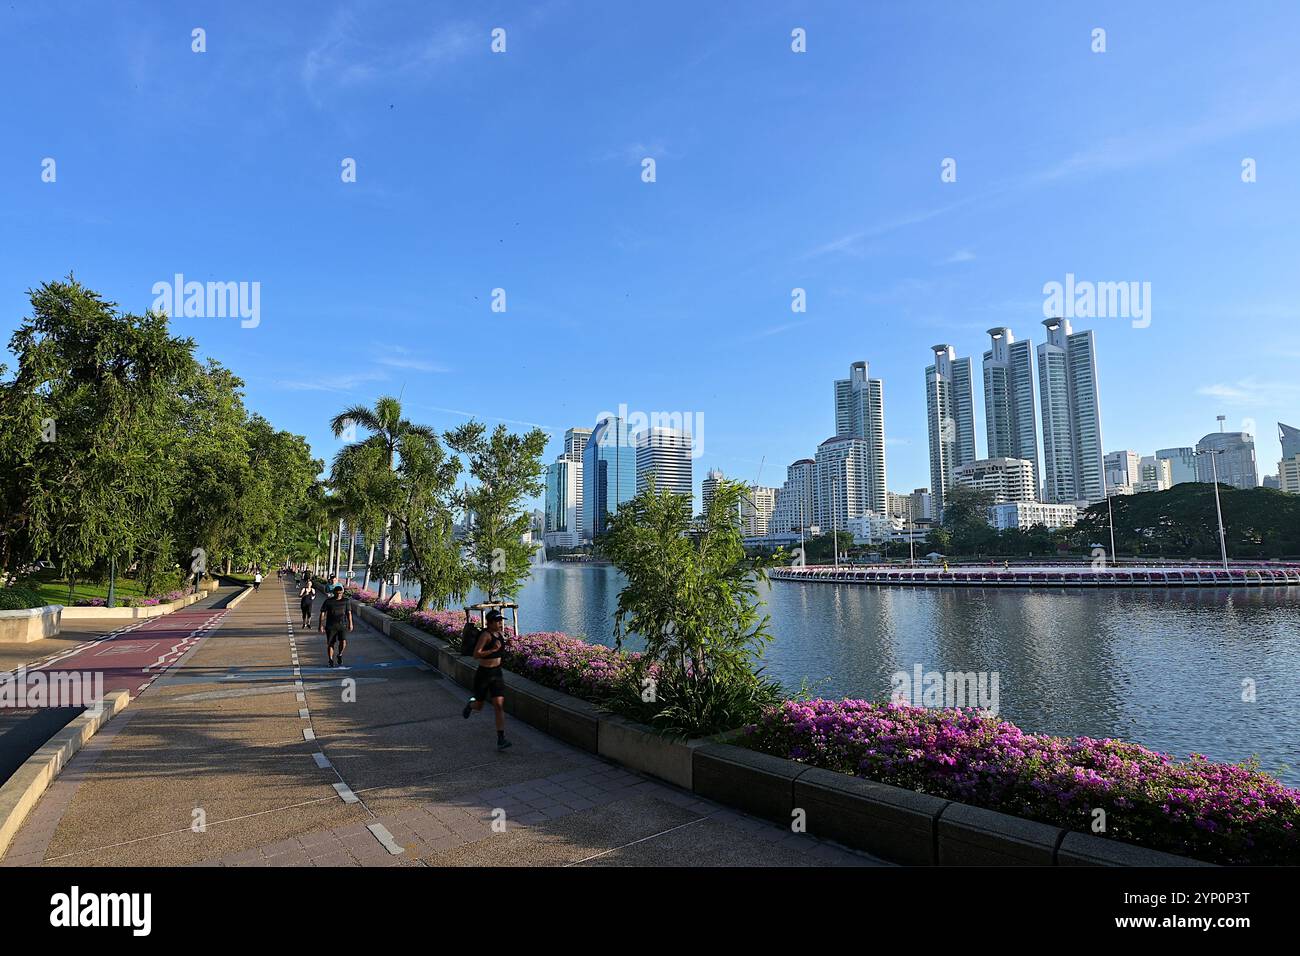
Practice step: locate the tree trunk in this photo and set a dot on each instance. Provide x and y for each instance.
(370, 559)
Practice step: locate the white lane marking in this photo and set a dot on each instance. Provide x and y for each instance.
(309, 734)
(302, 698)
(297, 672)
(385, 838)
(346, 793)
(303, 713)
(321, 760)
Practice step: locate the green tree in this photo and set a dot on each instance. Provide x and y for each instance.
(387, 427)
(424, 513)
(507, 470)
(107, 383)
(693, 598)
(821, 549)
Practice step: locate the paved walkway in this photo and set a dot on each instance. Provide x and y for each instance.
(250, 752)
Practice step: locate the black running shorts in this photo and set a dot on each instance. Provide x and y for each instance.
(336, 635)
(488, 683)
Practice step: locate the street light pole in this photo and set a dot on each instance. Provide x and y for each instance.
(835, 521)
(1218, 509)
(1114, 558)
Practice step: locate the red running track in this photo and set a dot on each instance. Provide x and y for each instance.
(133, 657)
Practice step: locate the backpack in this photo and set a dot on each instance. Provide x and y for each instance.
(469, 638)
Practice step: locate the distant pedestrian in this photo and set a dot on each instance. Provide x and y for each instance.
(488, 682)
(335, 620)
(306, 594)
(257, 581)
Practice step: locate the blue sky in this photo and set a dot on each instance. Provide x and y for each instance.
(775, 170)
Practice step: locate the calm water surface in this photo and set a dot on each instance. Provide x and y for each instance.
(1162, 668)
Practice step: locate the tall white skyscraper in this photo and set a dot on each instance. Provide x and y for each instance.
(1010, 416)
(665, 454)
(839, 487)
(950, 413)
(1073, 468)
(860, 414)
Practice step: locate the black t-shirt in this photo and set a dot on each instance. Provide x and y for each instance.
(335, 611)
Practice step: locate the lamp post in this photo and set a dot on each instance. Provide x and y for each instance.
(835, 520)
(1114, 559)
(1218, 507)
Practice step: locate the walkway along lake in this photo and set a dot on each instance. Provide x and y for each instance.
(1164, 667)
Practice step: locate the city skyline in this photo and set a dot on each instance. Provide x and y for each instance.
(466, 182)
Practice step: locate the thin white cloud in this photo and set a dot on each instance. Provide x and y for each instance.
(1252, 391)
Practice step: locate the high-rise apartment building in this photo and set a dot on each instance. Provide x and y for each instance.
(1010, 417)
(1003, 479)
(793, 508)
(860, 414)
(950, 413)
(1073, 467)
(608, 474)
(840, 481)
(1289, 437)
(664, 454)
(756, 508)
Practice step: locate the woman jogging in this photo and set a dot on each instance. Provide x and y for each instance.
(305, 596)
(488, 682)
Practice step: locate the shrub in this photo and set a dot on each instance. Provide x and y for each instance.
(19, 599)
(1222, 813)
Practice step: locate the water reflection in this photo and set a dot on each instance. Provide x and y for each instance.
(1161, 667)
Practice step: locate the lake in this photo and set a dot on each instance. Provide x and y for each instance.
(1165, 668)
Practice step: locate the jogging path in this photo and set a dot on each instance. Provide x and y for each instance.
(247, 750)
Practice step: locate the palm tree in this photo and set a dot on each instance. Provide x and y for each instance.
(387, 427)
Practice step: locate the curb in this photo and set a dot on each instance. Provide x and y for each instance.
(19, 794)
(898, 825)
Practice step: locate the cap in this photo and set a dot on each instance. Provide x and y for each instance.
(338, 587)
(495, 615)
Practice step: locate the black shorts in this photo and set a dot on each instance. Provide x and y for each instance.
(336, 634)
(489, 683)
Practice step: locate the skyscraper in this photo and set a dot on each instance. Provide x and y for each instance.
(860, 414)
(608, 474)
(839, 486)
(756, 510)
(950, 413)
(665, 454)
(1234, 462)
(707, 488)
(1073, 467)
(563, 514)
(575, 443)
(1010, 416)
(1289, 436)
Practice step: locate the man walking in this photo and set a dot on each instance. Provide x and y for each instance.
(488, 682)
(335, 612)
(257, 580)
